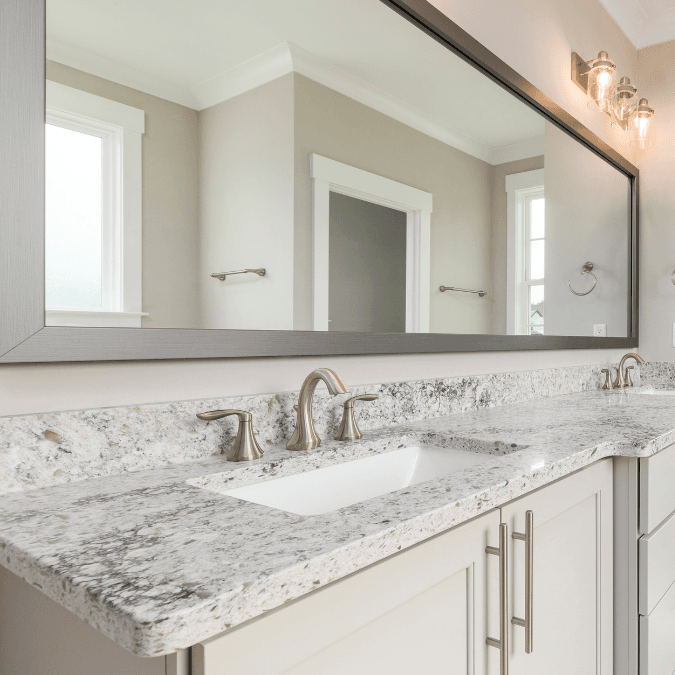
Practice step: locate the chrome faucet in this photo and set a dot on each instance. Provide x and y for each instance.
(305, 436)
(623, 378)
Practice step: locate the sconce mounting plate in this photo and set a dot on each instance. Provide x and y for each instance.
(580, 70)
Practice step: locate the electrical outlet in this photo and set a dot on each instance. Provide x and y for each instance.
(600, 330)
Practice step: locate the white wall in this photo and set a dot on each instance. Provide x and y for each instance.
(587, 215)
(656, 72)
(535, 37)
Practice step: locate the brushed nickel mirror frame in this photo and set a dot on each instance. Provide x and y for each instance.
(23, 335)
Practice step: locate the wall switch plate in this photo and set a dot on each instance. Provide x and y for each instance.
(674, 335)
(600, 330)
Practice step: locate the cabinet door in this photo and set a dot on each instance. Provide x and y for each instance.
(573, 567)
(425, 610)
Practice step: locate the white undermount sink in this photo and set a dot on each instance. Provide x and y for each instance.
(340, 485)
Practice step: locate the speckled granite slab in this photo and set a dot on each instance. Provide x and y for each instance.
(159, 563)
(659, 372)
(41, 450)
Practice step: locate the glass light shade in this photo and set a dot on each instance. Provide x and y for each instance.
(625, 100)
(642, 126)
(601, 84)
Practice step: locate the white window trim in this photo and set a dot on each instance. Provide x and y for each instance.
(121, 128)
(331, 176)
(518, 186)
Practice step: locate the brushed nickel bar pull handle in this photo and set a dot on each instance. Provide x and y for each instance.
(528, 538)
(503, 643)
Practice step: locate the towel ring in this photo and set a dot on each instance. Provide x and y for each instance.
(586, 269)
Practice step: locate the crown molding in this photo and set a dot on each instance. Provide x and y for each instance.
(270, 65)
(288, 58)
(120, 73)
(255, 72)
(529, 147)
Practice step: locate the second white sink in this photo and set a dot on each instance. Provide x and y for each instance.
(340, 485)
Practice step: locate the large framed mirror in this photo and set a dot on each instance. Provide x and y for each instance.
(216, 178)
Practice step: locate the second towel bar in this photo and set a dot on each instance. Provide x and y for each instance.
(462, 290)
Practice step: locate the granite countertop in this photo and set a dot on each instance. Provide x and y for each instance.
(158, 563)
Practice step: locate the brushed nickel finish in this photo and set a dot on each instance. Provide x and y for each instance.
(608, 378)
(527, 622)
(245, 447)
(349, 431)
(580, 70)
(503, 643)
(586, 269)
(305, 436)
(260, 271)
(623, 378)
(629, 379)
(442, 289)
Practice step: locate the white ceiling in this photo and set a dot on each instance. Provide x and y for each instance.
(200, 52)
(645, 22)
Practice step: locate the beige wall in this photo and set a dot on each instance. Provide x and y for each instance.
(656, 81)
(335, 126)
(246, 208)
(170, 194)
(534, 37)
(587, 216)
(498, 176)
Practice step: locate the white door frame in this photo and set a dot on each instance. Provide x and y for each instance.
(331, 176)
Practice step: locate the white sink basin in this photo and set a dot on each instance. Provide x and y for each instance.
(334, 487)
(657, 392)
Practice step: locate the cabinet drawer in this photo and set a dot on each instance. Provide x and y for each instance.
(657, 564)
(657, 647)
(657, 497)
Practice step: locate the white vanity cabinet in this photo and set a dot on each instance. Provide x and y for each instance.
(427, 609)
(572, 574)
(430, 608)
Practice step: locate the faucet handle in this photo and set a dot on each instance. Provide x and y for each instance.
(608, 378)
(217, 414)
(349, 431)
(627, 377)
(245, 447)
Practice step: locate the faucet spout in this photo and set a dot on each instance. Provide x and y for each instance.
(622, 378)
(305, 436)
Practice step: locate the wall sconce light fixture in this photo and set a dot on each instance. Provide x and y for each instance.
(597, 78)
(642, 125)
